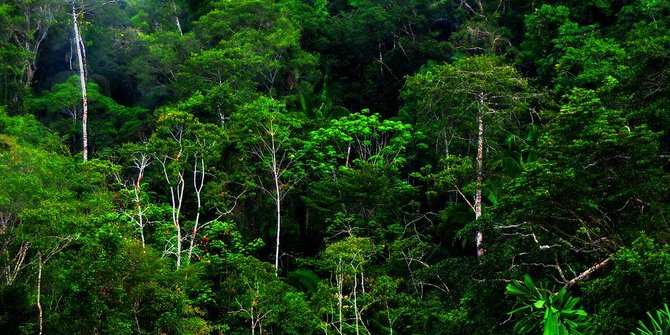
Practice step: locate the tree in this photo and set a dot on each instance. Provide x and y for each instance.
(368, 47)
(252, 300)
(60, 109)
(459, 102)
(265, 129)
(248, 48)
(561, 221)
(568, 55)
(360, 137)
(157, 15)
(80, 47)
(183, 148)
(346, 260)
(354, 168)
(27, 25)
(141, 206)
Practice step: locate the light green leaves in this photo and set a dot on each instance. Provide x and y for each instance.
(657, 324)
(357, 137)
(556, 313)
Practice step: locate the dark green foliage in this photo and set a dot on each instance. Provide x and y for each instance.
(639, 271)
(211, 122)
(111, 124)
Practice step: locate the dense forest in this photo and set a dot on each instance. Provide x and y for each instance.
(334, 167)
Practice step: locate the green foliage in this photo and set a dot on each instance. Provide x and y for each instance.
(201, 110)
(357, 137)
(252, 297)
(569, 55)
(447, 99)
(110, 123)
(555, 313)
(660, 323)
(252, 47)
(537, 48)
(637, 271)
(141, 287)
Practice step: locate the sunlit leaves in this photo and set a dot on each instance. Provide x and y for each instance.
(547, 310)
(357, 137)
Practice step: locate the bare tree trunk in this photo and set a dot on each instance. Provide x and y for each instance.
(339, 277)
(82, 80)
(38, 19)
(176, 212)
(176, 201)
(39, 292)
(478, 192)
(141, 163)
(588, 272)
(355, 293)
(278, 198)
(137, 216)
(388, 317)
(176, 17)
(480, 7)
(197, 185)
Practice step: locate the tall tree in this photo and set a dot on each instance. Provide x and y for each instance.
(183, 148)
(81, 61)
(26, 25)
(30, 28)
(470, 104)
(590, 143)
(269, 131)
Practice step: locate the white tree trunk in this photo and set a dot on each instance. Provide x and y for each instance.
(198, 184)
(39, 293)
(176, 17)
(82, 80)
(478, 192)
(176, 213)
(176, 201)
(278, 198)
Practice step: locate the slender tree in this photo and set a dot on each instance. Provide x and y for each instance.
(268, 128)
(469, 103)
(81, 61)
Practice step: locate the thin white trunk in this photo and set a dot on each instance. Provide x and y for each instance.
(39, 293)
(141, 164)
(340, 294)
(176, 214)
(176, 17)
(82, 80)
(388, 317)
(198, 184)
(176, 200)
(478, 192)
(355, 289)
(588, 272)
(275, 175)
(140, 216)
(253, 321)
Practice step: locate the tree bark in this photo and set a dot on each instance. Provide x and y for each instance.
(278, 198)
(588, 272)
(39, 293)
(198, 184)
(176, 201)
(176, 17)
(478, 192)
(82, 80)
